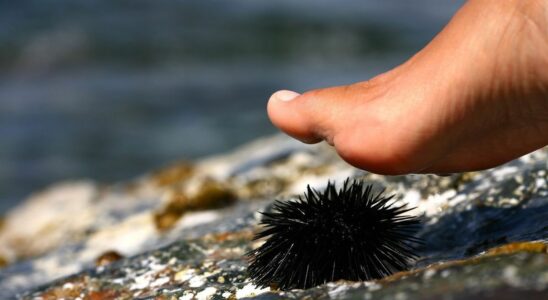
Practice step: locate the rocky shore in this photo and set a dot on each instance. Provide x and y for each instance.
(181, 232)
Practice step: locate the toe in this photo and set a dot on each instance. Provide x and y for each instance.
(286, 112)
(318, 114)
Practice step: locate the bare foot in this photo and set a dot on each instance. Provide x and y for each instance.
(474, 98)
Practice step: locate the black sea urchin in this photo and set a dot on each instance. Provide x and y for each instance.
(351, 234)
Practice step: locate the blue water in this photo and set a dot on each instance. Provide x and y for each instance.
(110, 89)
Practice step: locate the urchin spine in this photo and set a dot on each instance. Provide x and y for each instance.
(351, 234)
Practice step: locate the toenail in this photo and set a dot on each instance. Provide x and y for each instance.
(285, 95)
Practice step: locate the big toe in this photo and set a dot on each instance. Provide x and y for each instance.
(312, 116)
(290, 112)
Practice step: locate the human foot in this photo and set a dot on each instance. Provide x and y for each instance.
(474, 98)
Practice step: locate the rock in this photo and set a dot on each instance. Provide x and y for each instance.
(182, 232)
(108, 258)
(209, 194)
(49, 218)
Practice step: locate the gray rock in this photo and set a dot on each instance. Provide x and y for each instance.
(182, 236)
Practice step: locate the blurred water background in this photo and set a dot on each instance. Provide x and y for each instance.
(111, 89)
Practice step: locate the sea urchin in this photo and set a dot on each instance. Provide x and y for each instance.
(350, 234)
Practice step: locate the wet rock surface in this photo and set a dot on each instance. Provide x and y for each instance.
(182, 232)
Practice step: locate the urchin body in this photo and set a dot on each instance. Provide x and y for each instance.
(325, 236)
